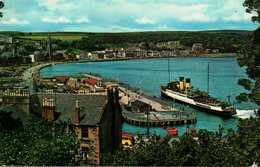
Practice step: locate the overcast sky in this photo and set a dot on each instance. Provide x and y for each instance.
(124, 15)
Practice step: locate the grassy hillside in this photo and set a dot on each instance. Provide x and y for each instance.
(225, 40)
(129, 36)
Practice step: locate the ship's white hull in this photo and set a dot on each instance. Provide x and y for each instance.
(185, 99)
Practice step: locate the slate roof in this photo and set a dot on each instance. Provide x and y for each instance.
(91, 107)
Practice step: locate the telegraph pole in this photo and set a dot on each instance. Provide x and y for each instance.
(13, 45)
(49, 48)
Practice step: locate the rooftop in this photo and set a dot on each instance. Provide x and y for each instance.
(91, 107)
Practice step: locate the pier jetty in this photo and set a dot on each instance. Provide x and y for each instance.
(144, 110)
(159, 119)
(156, 104)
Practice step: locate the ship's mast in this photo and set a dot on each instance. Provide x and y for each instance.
(147, 120)
(169, 71)
(208, 80)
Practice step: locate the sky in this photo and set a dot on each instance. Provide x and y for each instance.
(124, 15)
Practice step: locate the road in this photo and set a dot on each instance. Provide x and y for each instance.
(30, 73)
(128, 95)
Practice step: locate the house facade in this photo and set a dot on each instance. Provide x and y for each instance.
(96, 120)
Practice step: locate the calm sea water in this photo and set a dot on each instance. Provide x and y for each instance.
(149, 74)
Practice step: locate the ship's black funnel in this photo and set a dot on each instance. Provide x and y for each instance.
(188, 84)
(188, 80)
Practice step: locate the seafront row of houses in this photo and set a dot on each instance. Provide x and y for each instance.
(14, 52)
(125, 53)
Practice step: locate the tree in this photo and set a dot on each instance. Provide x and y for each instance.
(249, 57)
(1, 6)
(231, 148)
(38, 143)
(252, 6)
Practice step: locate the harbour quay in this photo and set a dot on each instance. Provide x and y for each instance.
(159, 119)
(146, 111)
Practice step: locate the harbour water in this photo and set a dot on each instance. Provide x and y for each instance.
(149, 74)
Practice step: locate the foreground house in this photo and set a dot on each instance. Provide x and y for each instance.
(96, 120)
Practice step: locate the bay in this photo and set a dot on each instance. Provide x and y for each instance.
(149, 74)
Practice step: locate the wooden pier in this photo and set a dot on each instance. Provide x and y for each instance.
(159, 119)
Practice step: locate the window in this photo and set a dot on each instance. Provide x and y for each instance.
(84, 149)
(84, 132)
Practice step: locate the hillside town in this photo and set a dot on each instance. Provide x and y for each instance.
(15, 50)
(92, 107)
(149, 98)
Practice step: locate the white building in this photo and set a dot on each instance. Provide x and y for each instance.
(32, 58)
(197, 47)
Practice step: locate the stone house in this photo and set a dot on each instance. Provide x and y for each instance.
(72, 83)
(96, 120)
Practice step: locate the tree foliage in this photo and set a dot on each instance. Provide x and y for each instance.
(246, 83)
(252, 6)
(37, 143)
(222, 148)
(249, 55)
(1, 6)
(225, 41)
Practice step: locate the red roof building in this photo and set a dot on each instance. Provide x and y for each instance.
(90, 81)
(62, 79)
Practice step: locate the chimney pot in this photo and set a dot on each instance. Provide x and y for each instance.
(77, 113)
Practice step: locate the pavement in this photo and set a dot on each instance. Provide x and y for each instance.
(127, 95)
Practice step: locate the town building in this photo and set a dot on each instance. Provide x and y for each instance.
(17, 98)
(96, 120)
(197, 47)
(72, 83)
(32, 58)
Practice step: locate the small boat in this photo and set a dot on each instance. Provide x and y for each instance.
(172, 132)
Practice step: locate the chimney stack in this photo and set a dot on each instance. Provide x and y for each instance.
(116, 95)
(48, 109)
(77, 113)
(188, 85)
(110, 95)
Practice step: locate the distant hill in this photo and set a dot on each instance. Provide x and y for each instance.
(149, 35)
(225, 40)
